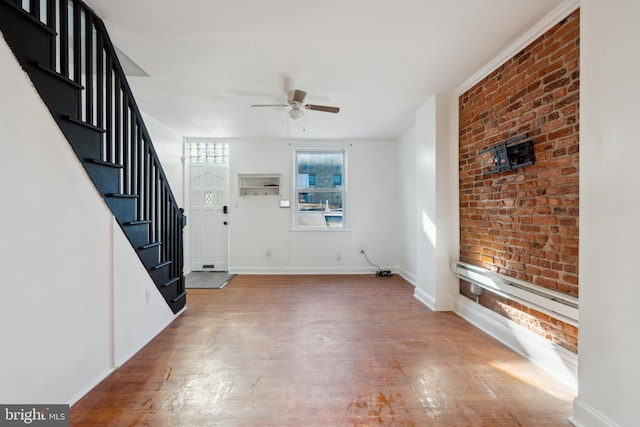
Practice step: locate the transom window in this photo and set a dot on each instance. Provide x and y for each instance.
(320, 189)
(209, 153)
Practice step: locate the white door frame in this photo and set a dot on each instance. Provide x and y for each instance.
(186, 192)
(212, 221)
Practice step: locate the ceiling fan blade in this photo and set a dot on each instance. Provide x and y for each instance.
(322, 108)
(298, 96)
(270, 105)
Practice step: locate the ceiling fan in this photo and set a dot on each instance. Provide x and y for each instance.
(296, 103)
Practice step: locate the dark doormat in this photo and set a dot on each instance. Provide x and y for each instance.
(207, 279)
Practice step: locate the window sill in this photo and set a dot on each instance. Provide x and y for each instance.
(321, 229)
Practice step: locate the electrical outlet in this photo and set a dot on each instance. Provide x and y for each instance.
(147, 296)
(339, 256)
(268, 253)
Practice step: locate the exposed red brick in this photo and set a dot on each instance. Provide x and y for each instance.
(524, 223)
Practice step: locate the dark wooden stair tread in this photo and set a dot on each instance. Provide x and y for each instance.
(61, 77)
(140, 222)
(122, 196)
(171, 282)
(83, 123)
(179, 297)
(103, 163)
(150, 245)
(161, 265)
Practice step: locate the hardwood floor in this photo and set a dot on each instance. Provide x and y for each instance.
(322, 351)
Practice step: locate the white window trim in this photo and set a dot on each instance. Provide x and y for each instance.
(189, 143)
(345, 191)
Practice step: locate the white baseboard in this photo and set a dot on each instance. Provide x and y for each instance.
(559, 362)
(424, 298)
(409, 277)
(90, 385)
(585, 416)
(303, 270)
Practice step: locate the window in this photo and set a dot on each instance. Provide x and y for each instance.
(209, 153)
(320, 189)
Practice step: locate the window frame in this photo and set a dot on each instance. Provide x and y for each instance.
(343, 190)
(210, 148)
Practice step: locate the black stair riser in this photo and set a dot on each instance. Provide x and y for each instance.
(160, 275)
(149, 256)
(138, 234)
(31, 39)
(85, 142)
(105, 178)
(179, 302)
(170, 291)
(124, 209)
(61, 97)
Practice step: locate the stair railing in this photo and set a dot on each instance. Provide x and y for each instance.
(84, 53)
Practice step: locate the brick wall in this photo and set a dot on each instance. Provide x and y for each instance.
(524, 223)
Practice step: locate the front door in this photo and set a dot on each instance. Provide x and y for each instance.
(209, 236)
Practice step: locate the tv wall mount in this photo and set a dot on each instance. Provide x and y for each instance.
(512, 154)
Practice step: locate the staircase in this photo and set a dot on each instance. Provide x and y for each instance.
(66, 51)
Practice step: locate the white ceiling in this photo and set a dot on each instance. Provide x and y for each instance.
(209, 60)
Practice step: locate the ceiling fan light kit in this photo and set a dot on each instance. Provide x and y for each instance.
(296, 113)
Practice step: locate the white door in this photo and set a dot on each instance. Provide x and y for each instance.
(208, 221)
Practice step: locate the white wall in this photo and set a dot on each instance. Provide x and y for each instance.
(169, 148)
(139, 310)
(436, 202)
(63, 273)
(407, 183)
(609, 372)
(258, 224)
(425, 226)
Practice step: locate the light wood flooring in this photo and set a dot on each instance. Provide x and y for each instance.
(322, 351)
